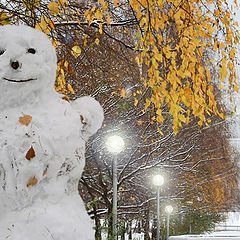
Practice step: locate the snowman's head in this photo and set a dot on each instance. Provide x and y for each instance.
(27, 63)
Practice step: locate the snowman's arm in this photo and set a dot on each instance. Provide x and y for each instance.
(90, 113)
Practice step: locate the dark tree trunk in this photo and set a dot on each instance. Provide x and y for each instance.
(154, 229)
(146, 225)
(110, 222)
(98, 231)
(130, 230)
(123, 230)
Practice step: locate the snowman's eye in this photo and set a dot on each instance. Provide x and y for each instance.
(2, 51)
(31, 50)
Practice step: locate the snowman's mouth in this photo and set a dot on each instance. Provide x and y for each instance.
(19, 81)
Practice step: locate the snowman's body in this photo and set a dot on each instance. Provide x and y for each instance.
(42, 143)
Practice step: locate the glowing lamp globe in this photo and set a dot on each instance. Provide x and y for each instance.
(158, 180)
(169, 209)
(115, 144)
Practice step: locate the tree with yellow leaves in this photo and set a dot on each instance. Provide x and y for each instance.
(170, 38)
(173, 38)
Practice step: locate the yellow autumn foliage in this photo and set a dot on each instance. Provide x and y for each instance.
(173, 39)
(195, 29)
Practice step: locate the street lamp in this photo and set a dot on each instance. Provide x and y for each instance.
(158, 181)
(168, 210)
(115, 145)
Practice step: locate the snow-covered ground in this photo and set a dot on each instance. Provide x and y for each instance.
(223, 235)
(232, 223)
(230, 229)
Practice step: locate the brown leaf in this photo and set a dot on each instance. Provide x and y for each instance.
(30, 154)
(32, 181)
(66, 98)
(25, 120)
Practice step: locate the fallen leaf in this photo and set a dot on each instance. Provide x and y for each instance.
(30, 154)
(32, 181)
(44, 172)
(25, 120)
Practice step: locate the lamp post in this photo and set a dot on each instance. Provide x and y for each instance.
(115, 145)
(168, 210)
(158, 181)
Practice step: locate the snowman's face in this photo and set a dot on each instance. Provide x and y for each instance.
(27, 60)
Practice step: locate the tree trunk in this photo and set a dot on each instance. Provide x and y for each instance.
(154, 229)
(98, 230)
(110, 222)
(123, 230)
(130, 231)
(146, 225)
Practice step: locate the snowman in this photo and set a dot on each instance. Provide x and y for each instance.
(42, 143)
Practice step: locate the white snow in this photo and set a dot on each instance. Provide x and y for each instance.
(38, 196)
(225, 235)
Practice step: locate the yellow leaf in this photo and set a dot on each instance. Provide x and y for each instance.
(222, 45)
(108, 19)
(235, 87)
(43, 25)
(139, 123)
(76, 51)
(139, 14)
(4, 19)
(135, 102)
(25, 120)
(147, 104)
(53, 8)
(221, 115)
(116, 3)
(70, 88)
(51, 24)
(159, 130)
(62, 3)
(97, 41)
(137, 60)
(100, 28)
(220, 85)
(55, 43)
(123, 92)
(99, 14)
(232, 53)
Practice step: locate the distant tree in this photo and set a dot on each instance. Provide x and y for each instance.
(196, 222)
